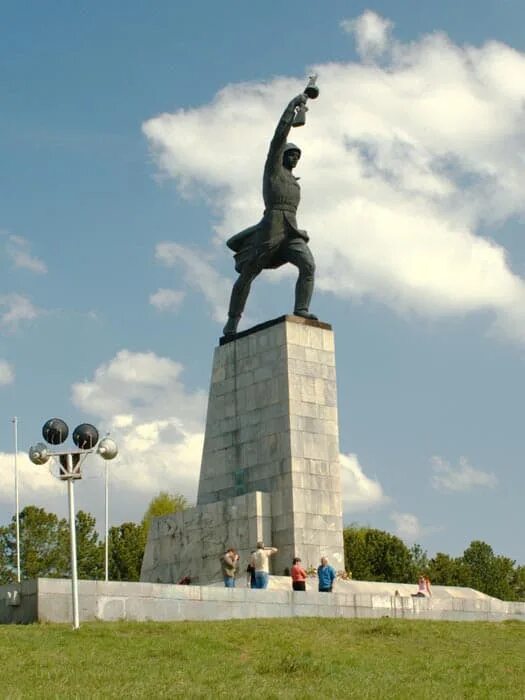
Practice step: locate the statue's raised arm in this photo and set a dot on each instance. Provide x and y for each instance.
(278, 142)
(276, 239)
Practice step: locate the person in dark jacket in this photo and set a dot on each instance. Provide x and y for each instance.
(326, 575)
(229, 566)
(276, 239)
(250, 570)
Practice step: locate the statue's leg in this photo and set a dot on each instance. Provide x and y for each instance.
(299, 254)
(239, 295)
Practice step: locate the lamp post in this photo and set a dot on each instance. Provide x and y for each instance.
(85, 437)
(106, 444)
(17, 504)
(106, 524)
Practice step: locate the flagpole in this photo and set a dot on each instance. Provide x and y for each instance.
(17, 505)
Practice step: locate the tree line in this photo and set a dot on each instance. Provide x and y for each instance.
(45, 544)
(375, 555)
(370, 554)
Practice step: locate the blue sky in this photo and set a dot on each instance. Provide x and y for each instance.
(133, 138)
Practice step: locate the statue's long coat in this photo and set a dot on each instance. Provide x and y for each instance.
(281, 194)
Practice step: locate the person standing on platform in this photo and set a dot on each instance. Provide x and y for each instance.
(250, 571)
(260, 562)
(298, 576)
(229, 566)
(326, 575)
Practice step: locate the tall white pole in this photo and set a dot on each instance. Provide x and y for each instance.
(73, 537)
(17, 505)
(106, 551)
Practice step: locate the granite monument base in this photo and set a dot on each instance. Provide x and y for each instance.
(272, 442)
(191, 542)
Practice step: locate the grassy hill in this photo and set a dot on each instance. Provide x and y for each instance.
(287, 658)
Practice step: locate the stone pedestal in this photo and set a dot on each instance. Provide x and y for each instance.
(191, 542)
(271, 428)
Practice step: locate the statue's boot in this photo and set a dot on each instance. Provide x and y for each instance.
(231, 325)
(305, 314)
(303, 295)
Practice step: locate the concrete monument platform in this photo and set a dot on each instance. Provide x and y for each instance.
(270, 466)
(49, 600)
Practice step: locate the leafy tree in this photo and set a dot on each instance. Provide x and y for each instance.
(45, 548)
(419, 558)
(481, 569)
(126, 550)
(7, 556)
(487, 572)
(90, 551)
(374, 555)
(164, 504)
(518, 583)
(444, 570)
(42, 546)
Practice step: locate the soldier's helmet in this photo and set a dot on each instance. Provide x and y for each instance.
(292, 147)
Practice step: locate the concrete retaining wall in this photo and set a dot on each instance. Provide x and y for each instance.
(19, 602)
(49, 600)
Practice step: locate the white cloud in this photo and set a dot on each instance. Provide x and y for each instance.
(139, 384)
(18, 250)
(403, 165)
(15, 308)
(407, 526)
(462, 478)
(199, 273)
(167, 299)
(158, 424)
(34, 483)
(358, 490)
(371, 32)
(7, 373)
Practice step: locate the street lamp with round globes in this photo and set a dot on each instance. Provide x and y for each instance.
(39, 454)
(55, 431)
(107, 449)
(85, 436)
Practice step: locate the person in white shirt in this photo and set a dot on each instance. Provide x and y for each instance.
(260, 562)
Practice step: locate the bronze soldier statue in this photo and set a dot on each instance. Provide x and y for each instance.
(276, 239)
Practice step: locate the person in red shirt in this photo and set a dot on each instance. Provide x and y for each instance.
(298, 576)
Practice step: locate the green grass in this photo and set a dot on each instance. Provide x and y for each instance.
(289, 658)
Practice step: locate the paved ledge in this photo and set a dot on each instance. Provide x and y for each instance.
(381, 588)
(49, 600)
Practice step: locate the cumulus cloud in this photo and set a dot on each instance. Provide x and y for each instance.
(7, 373)
(464, 477)
(199, 273)
(372, 33)
(18, 250)
(358, 490)
(34, 483)
(404, 165)
(407, 526)
(167, 299)
(141, 400)
(15, 308)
